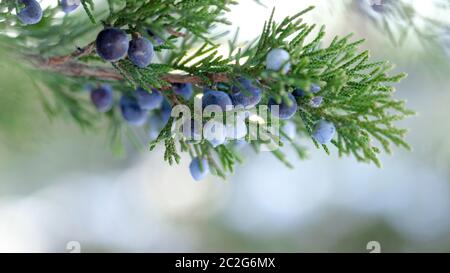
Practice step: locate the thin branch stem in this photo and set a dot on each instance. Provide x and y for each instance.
(67, 65)
(79, 53)
(76, 69)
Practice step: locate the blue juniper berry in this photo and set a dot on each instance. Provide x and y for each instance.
(324, 131)
(103, 98)
(278, 59)
(141, 52)
(199, 168)
(70, 5)
(249, 97)
(112, 44)
(149, 101)
(184, 89)
(31, 13)
(216, 98)
(132, 112)
(286, 111)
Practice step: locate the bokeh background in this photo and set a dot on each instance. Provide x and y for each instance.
(60, 184)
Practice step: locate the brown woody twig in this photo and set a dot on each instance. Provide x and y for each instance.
(68, 65)
(72, 68)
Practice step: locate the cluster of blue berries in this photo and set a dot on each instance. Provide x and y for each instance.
(216, 132)
(324, 131)
(247, 94)
(31, 13)
(244, 94)
(136, 107)
(113, 44)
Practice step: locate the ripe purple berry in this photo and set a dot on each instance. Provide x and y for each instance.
(141, 52)
(249, 97)
(183, 89)
(30, 14)
(112, 44)
(286, 111)
(217, 98)
(69, 5)
(103, 98)
(149, 101)
(132, 112)
(324, 131)
(278, 60)
(199, 168)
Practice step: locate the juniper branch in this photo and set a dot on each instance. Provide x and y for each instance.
(71, 68)
(79, 53)
(357, 93)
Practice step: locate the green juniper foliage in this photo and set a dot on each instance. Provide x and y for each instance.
(357, 92)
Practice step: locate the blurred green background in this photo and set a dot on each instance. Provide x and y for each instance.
(60, 184)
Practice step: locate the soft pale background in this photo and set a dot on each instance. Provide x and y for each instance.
(58, 184)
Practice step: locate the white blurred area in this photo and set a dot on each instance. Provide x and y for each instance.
(69, 188)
